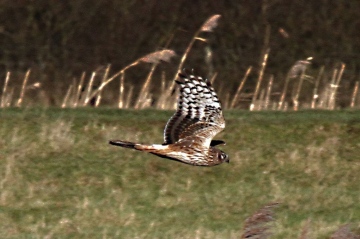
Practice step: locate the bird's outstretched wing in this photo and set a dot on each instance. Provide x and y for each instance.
(198, 111)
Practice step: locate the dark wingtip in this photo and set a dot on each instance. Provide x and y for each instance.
(121, 143)
(215, 142)
(112, 142)
(183, 73)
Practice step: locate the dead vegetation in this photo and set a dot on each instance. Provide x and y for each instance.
(302, 88)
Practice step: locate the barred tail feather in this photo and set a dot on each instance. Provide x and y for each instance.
(151, 148)
(122, 143)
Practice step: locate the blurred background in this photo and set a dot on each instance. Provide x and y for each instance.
(59, 40)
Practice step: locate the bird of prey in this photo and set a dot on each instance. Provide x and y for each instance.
(189, 133)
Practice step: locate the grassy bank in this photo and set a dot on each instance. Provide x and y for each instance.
(59, 178)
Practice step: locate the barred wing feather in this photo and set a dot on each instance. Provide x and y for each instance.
(198, 111)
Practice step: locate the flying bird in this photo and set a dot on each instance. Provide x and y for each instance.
(189, 133)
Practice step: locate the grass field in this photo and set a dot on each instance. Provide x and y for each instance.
(59, 178)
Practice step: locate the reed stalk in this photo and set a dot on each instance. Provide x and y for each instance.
(155, 57)
(129, 97)
(121, 91)
(78, 90)
(264, 56)
(330, 90)
(88, 95)
(336, 86)
(259, 80)
(67, 96)
(145, 88)
(298, 90)
(268, 92)
(209, 61)
(23, 87)
(242, 83)
(161, 105)
(5, 87)
(163, 82)
(354, 94)
(227, 101)
(103, 79)
(283, 93)
(259, 104)
(212, 80)
(208, 26)
(72, 95)
(316, 88)
(9, 97)
(335, 82)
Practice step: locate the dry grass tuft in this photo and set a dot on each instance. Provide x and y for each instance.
(256, 226)
(344, 232)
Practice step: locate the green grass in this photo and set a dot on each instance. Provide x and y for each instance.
(59, 177)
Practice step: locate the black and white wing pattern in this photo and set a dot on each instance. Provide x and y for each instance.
(189, 132)
(198, 114)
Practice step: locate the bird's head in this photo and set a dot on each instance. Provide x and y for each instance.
(223, 157)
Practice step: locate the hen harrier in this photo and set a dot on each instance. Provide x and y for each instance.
(189, 132)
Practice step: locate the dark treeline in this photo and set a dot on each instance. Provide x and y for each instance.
(61, 39)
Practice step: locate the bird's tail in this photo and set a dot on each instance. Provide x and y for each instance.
(151, 148)
(122, 143)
